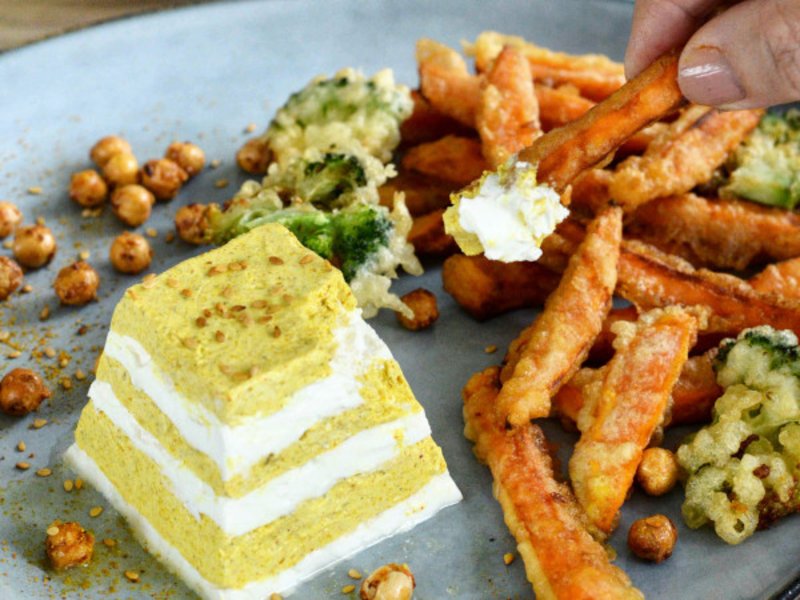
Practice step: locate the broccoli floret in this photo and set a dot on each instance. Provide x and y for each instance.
(343, 110)
(766, 166)
(743, 468)
(361, 232)
(325, 180)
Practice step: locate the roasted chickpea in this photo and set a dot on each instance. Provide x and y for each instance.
(130, 253)
(77, 284)
(189, 157)
(121, 169)
(658, 471)
(163, 177)
(191, 223)
(68, 545)
(132, 204)
(88, 189)
(423, 303)
(10, 277)
(389, 582)
(10, 218)
(107, 147)
(652, 538)
(254, 157)
(22, 391)
(34, 246)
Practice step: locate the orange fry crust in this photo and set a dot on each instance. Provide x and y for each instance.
(508, 115)
(693, 147)
(782, 278)
(563, 154)
(428, 236)
(716, 233)
(547, 353)
(452, 158)
(616, 423)
(561, 558)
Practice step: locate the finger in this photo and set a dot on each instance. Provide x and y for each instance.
(747, 57)
(659, 26)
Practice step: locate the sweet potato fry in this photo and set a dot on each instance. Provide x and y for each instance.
(427, 124)
(650, 278)
(446, 83)
(452, 158)
(616, 424)
(695, 145)
(559, 106)
(782, 278)
(596, 76)
(715, 233)
(474, 283)
(548, 352)
(563, 154)
(508, 115)
(693, 394)
(428, 236)
(423, 193)
(561, 558)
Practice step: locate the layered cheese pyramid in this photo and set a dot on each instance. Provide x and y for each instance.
(251, 427)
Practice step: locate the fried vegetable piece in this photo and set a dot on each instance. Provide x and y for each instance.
(689, 152)
(693, 394)
(596, 76)
(547, 353)
(650, 278)
(426, 124)
(485, 288)
(561, 558)
(714, 233)
(782, 278)
(559, 106)
(423, 193)
(618, 421)
(428, 236)
(563, 154)
(446, 83)
(508, 115)
(452, 158)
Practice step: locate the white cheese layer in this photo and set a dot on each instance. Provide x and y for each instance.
(511, 214)
(361, 453)
(236, 449)
(438, 493)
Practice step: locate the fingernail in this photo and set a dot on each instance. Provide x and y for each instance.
(706, 77)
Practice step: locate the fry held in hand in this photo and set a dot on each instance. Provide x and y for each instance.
(561, 558)
(618, 421)
(548, 352)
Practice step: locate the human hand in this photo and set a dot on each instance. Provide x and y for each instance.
(745, 57)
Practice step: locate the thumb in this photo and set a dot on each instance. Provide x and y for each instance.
(747, 57)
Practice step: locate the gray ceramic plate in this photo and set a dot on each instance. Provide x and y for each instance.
(204, 74)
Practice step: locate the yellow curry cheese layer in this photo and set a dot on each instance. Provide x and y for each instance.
(243, 327)
(234, 561)
(386, 395)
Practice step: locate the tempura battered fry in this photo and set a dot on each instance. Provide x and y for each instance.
(695, 145)
(427, 124)
(474, 283)
(446, 83)
(715, 233)
(693, 394)
(782, 278)
(423, 193)
(452, 158)
(563, 154)
(508, 115)
(650, 279)
(616, 424)
(596, 76)
(548, 352)
(428, 236)
(561, 558)
(559, 106)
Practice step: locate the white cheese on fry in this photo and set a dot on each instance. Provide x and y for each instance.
(505, 215)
